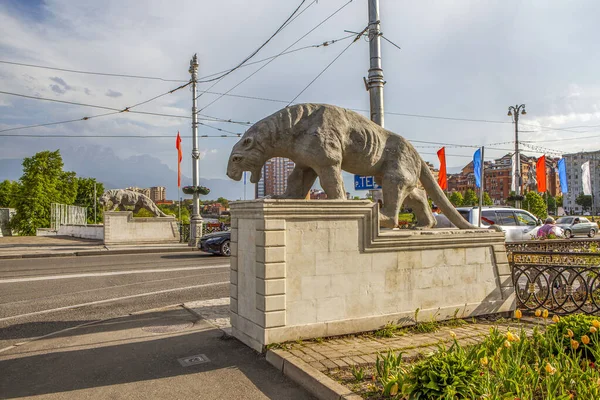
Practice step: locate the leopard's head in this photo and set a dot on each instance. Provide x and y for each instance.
(246, 155)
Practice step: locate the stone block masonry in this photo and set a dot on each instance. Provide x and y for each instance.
(303, 269)
(121, 228)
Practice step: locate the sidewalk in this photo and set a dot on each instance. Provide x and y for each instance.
(168, 353)
(61, 246)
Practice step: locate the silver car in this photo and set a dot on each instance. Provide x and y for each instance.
(577, 226)
(516, 224)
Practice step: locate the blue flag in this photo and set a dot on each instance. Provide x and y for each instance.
(477, 167)
(562, 175)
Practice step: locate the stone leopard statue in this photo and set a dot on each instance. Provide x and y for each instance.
(323, 140)
(121, 198)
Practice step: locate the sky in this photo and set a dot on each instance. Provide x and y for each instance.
(458, 60)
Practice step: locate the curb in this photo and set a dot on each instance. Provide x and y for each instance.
(312, 380)
(84, 253)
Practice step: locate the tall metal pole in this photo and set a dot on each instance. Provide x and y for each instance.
(375, 82)
(481, 185)
(95, 197)
(515, 111)
(196, 220)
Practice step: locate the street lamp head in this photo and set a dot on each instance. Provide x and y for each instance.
(509, 113)
(523, 112)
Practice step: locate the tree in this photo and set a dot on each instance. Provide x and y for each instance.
(8, 193)
(585, 201)
(223, 201)
(85, 198)
(551, 202)
(456, 199)
(470, 198)
(43, 182)
(487, 200)
(559, 200)
(535, 204)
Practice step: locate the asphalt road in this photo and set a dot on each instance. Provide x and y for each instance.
(42, 296)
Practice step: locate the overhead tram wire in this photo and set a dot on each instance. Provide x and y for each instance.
(113, 136)
(326, 68)
(284, 50)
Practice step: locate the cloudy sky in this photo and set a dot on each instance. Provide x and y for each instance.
(458, 59)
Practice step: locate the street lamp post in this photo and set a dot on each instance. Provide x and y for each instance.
(514, 111)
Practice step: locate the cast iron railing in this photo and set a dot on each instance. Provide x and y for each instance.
(561, 282)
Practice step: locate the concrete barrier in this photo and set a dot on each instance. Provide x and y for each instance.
(121, 228)
(82, 231)
(305, 269)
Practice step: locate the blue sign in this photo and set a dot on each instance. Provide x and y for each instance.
(365, 183)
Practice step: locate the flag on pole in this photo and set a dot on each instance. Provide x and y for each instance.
(442, 177)
(562, 176)
(179, 158)
(477, 167)
(540, 172)
(586, 179)
(513, 181)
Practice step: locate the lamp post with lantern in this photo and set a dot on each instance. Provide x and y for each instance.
(514, 111)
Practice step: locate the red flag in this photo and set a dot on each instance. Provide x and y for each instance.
(179, 157)
(540, 171)
(442, 178)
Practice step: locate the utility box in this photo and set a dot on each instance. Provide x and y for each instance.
(6, 215)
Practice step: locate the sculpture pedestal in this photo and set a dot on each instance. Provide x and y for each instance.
(121, 228)
(306, 269)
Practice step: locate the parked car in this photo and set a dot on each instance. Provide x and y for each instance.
(216, 243)
(577, 226)
(515, 223)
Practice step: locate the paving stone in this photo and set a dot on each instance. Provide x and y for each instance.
(340, 363)
(329, 364)
(318, 366)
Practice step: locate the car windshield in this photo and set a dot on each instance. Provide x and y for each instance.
(564, 220)
(581, 219)
(465, 214)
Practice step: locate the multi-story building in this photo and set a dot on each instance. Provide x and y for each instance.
(144, 191)
(158, 193)
(273, 181)
(573, 163)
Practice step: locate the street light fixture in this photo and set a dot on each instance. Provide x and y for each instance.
(514, 111)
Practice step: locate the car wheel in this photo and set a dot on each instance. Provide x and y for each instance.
(568, 233)
(226, 248)
(592, 233)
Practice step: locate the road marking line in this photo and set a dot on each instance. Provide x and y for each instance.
(97, 274)
(113, 299)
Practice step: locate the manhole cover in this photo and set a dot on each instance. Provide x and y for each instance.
(168, 327)
(193, 360)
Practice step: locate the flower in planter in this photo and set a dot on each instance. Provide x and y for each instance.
(593, 329)
(518, 314)
(506, 344)
(545, 314)
(555, 319)
(550, 369)
(585, 339)
(511, 337)
(574, 344)
(538, 313)
(596, 323)
(569, 333)
(484, 361)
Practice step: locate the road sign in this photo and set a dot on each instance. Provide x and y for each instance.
(365, 183)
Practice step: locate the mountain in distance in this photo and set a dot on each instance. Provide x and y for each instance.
(141, 171)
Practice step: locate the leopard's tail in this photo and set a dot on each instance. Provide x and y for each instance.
(439, 198)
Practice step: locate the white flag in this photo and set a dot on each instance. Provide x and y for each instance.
(513, 181)
(585, 178)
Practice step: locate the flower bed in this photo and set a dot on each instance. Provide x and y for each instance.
(553, 363)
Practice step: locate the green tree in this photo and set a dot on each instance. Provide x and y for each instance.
(85, 198)
(223, 201)
(487, 200)
(470, 198)
(43, 182)
(456, 199)
(8, 193)
(551, 202)
(585, 201)
(559, 200)
(535, 204)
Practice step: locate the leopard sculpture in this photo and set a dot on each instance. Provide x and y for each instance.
(120, 198)
(323, 140)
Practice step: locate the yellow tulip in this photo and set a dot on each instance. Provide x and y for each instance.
(569, 333)
(574, 344)
(484, 361)
(596, 323)
(555, 319)
(598, 382)
(506, 344)
(518, 314)
(394, 389)
(511, 337)
(550, 369)
(538, 313)
(593, 329)
(585, 339)
(545, 314)
(453, 335)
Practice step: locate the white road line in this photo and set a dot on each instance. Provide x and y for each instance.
(97, 274)
(113, 299)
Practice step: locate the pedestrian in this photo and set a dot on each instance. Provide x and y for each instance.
(435, 210)
(441, 220)
(550, 228)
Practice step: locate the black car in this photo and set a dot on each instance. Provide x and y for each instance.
(216, 243)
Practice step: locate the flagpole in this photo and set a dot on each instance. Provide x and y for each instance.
(481, 186)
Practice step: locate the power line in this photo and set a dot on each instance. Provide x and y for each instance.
(90, 72)
(115, 136)
(325, 69)
(56, 123)
(285, 23)
(284, 50)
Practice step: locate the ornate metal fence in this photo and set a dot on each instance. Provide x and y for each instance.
(62, 214)
(184, 233)
(561, 276)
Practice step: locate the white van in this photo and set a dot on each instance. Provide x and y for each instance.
(517, 224)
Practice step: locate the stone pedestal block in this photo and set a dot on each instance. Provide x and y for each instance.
(304, 269)
(121, 228)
